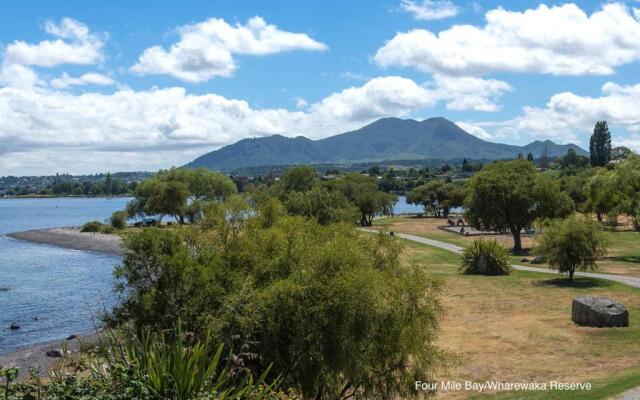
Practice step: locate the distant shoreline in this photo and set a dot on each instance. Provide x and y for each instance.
(72, 238)
(70, 196)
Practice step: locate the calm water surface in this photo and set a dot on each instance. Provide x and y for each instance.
(51, 291)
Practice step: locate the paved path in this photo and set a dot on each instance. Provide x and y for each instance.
(627, 280)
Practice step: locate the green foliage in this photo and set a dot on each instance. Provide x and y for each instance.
(511, 195)
(331, 309)
(298, 179)
(628, 184)
(602, 192)
(324, 205)
(362, 191)
(573, 161)
(168, 365)
(436, 197)
(600, 145)
(485, 257)
(118, 219)
(92, 226)
(574, 243)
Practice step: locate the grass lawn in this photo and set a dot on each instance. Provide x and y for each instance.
(519, 327)
(623, 257)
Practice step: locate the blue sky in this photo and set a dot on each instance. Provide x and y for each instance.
(93, 86)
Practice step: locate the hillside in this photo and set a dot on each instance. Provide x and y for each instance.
(384, 139)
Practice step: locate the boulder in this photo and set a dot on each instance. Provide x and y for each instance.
(538, 260)
(14, 326)
(71, 337)
(55, 353)
(598, 311)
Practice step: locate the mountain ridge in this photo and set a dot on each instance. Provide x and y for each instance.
(384, 139)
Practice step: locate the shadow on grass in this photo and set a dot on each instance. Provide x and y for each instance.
(580, 282)
(629, 259)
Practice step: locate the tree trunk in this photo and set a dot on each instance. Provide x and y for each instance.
(517, 242)
(571, 272)
(599, 216)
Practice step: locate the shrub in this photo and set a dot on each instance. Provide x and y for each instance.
(572, 244)
(149, 366)
(118, 219)
(92, 226)
(332, 310)
(485, 257)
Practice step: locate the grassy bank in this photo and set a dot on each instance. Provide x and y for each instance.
(518, 327)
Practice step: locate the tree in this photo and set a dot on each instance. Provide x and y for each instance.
(600, 145)
(332, 310)
(621, 153)
(298, 179)
(573, 161)
(510, 195)
(434, 196)
(530, 157)
(168, 198)
(362, 191)
(602, 192)
(627, 182)
(544, 160)
(466, 167)
(574, 243)
(323, 205)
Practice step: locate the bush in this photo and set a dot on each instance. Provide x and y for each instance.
(332, 310)
(92, 226)
(572, 244)
(150, 366)
(118, 219)
(485, 257)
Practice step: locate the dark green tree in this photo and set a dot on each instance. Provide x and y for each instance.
(511, 195)
(530, 157)
(600, 145)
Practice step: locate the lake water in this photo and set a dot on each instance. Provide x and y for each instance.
(402, 207)
(51, 291)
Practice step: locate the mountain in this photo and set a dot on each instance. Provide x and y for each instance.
(384, 139)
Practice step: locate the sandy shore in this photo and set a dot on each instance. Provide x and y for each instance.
(36, 356)
(72, 238)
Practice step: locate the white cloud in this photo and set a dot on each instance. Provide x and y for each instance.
(427, 10)
(163, 126)
(75, 45)
(91, 78)
(206, 49)
(559, 40)
(568, 117)
(475, 130)
(467, 93)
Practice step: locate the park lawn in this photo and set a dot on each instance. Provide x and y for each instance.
(518, 327)
(623, 257)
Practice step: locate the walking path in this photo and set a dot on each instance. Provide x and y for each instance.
(632, 394)
(627, 280)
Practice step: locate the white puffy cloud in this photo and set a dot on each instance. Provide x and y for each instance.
(427, 10)
(74, 45)
(558, 40)
(467, 93)
(475, 130)
(206, 49)
(90, 78)
(569, 117)
(168, 126)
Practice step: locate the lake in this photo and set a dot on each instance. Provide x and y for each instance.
(51, 291)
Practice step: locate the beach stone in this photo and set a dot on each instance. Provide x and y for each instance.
(14, 326)
(598, 311)
(538, 260)
(55, 353)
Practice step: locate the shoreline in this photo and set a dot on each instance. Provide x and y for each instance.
(35, 355)
(72, 238)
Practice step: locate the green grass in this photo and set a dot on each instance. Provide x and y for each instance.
(601, 389)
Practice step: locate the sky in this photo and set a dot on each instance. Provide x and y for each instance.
(88, 87)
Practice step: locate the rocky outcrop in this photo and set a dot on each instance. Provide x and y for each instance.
(14, 326)
(599, 312)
